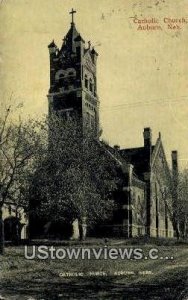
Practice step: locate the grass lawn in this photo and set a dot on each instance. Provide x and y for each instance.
(96, 279)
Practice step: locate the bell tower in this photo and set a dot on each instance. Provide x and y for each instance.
(73, 79)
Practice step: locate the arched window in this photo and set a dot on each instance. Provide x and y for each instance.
(59, 75)
(71, 72)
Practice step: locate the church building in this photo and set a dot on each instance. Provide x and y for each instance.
(143, 199)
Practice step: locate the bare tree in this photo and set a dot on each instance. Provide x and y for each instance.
(18, 144)
(139, 212)
(167, 193)
(173, 190)
(183, 203)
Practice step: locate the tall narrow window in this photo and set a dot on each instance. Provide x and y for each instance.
(90, 85)
(78, 51)
(87, 119)
(92, 122)
(86, 82)
(82, 73)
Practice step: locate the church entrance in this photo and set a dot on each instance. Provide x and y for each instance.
(12, 229)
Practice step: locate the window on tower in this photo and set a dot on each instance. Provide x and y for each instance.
(90, 85)
(61, 78)
(92, 122)
(59, 75)
(78, 51)
(71, 72)
(66, 87)
(86, 82)
(87, 119)
(82, 73)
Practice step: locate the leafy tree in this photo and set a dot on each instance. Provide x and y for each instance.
(77, 176)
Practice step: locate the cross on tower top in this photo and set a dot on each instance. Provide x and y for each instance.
(72, 12)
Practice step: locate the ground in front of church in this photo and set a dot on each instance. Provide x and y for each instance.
(96, 278)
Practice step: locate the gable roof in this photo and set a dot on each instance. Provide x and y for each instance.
(159, 151)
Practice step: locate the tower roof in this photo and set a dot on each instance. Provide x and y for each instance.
(71, 37)
(71, 34)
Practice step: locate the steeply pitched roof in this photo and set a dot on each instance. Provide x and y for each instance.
(71, 36)
(124, 165)
(158, 151)
(113, 153)
(72, 33)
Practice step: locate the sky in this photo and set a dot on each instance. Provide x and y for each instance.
(142, 74)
